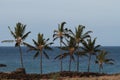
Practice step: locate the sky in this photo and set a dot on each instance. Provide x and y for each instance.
(43, 16)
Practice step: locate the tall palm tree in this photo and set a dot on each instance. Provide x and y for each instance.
(60, 33)
(41, 45)
(19, 35)
(79, 36)
(71, 48)
(101, 58)
(91, 49)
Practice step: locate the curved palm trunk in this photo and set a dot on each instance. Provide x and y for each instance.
(41, 62)
(21, 56)
(70, 64)
(61, 55)
(89, 63)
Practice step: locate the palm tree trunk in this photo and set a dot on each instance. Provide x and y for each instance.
(89, 63)
(41, 62)
(78, 58)
(61, 55)
(70, 64)
(99, 69)
(21, 59)
(78, 63)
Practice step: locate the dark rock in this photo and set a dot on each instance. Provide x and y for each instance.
(19, 71)
(3, 65)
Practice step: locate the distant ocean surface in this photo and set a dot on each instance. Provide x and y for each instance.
(11, 57)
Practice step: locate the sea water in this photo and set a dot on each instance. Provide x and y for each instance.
(11, 57)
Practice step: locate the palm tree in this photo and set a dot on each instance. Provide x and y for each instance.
(101, 59)
(91, 49)
(79, 36)
(40, 46)
(71, 48)
(60, 33)
(19, 35)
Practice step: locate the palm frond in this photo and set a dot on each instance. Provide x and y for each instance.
(62, 26)
(36, 54)
(47, 40)
(85, 45)
(71, 32)
(46, 55)
(93, 43)
(30, 46)
(8, 41)
(13, 34)
(35, 43)
(109, 61)
(64, 43)
(48, 48)
(55, 38)
(54, 35)
(58, 57)
(24, 37)
(98, 46)
(88, 32)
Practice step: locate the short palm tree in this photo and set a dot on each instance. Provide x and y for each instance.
(19, 35)
(101, 59)
(79, 36)
(90, 48)
(40, 46)
(71, 48)
(60, 33)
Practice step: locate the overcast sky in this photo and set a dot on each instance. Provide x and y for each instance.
(100, 16)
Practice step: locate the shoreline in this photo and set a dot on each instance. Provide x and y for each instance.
(65, 75)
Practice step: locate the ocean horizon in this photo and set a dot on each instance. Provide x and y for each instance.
(10, 56)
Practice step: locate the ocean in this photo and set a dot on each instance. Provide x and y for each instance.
(11, 57)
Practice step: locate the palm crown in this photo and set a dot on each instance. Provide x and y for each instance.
(79, 35)
(60, 33)
(101, 58)
(19, 33)
(40, 45)
(91, 49)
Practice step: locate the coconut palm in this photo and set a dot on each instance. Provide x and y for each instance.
(71, 48)
(19, 35)
(91, 49)
(41, 45)
(79, 36)
(60, 33)
(101, 59)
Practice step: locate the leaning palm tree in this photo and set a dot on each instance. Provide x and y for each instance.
(71, 48)
(60, 33)
(91, 49)
(79, 36)
(19, 35)
(40, 46)
(102, 59)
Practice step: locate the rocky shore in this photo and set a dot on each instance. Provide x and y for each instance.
(54, 76)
